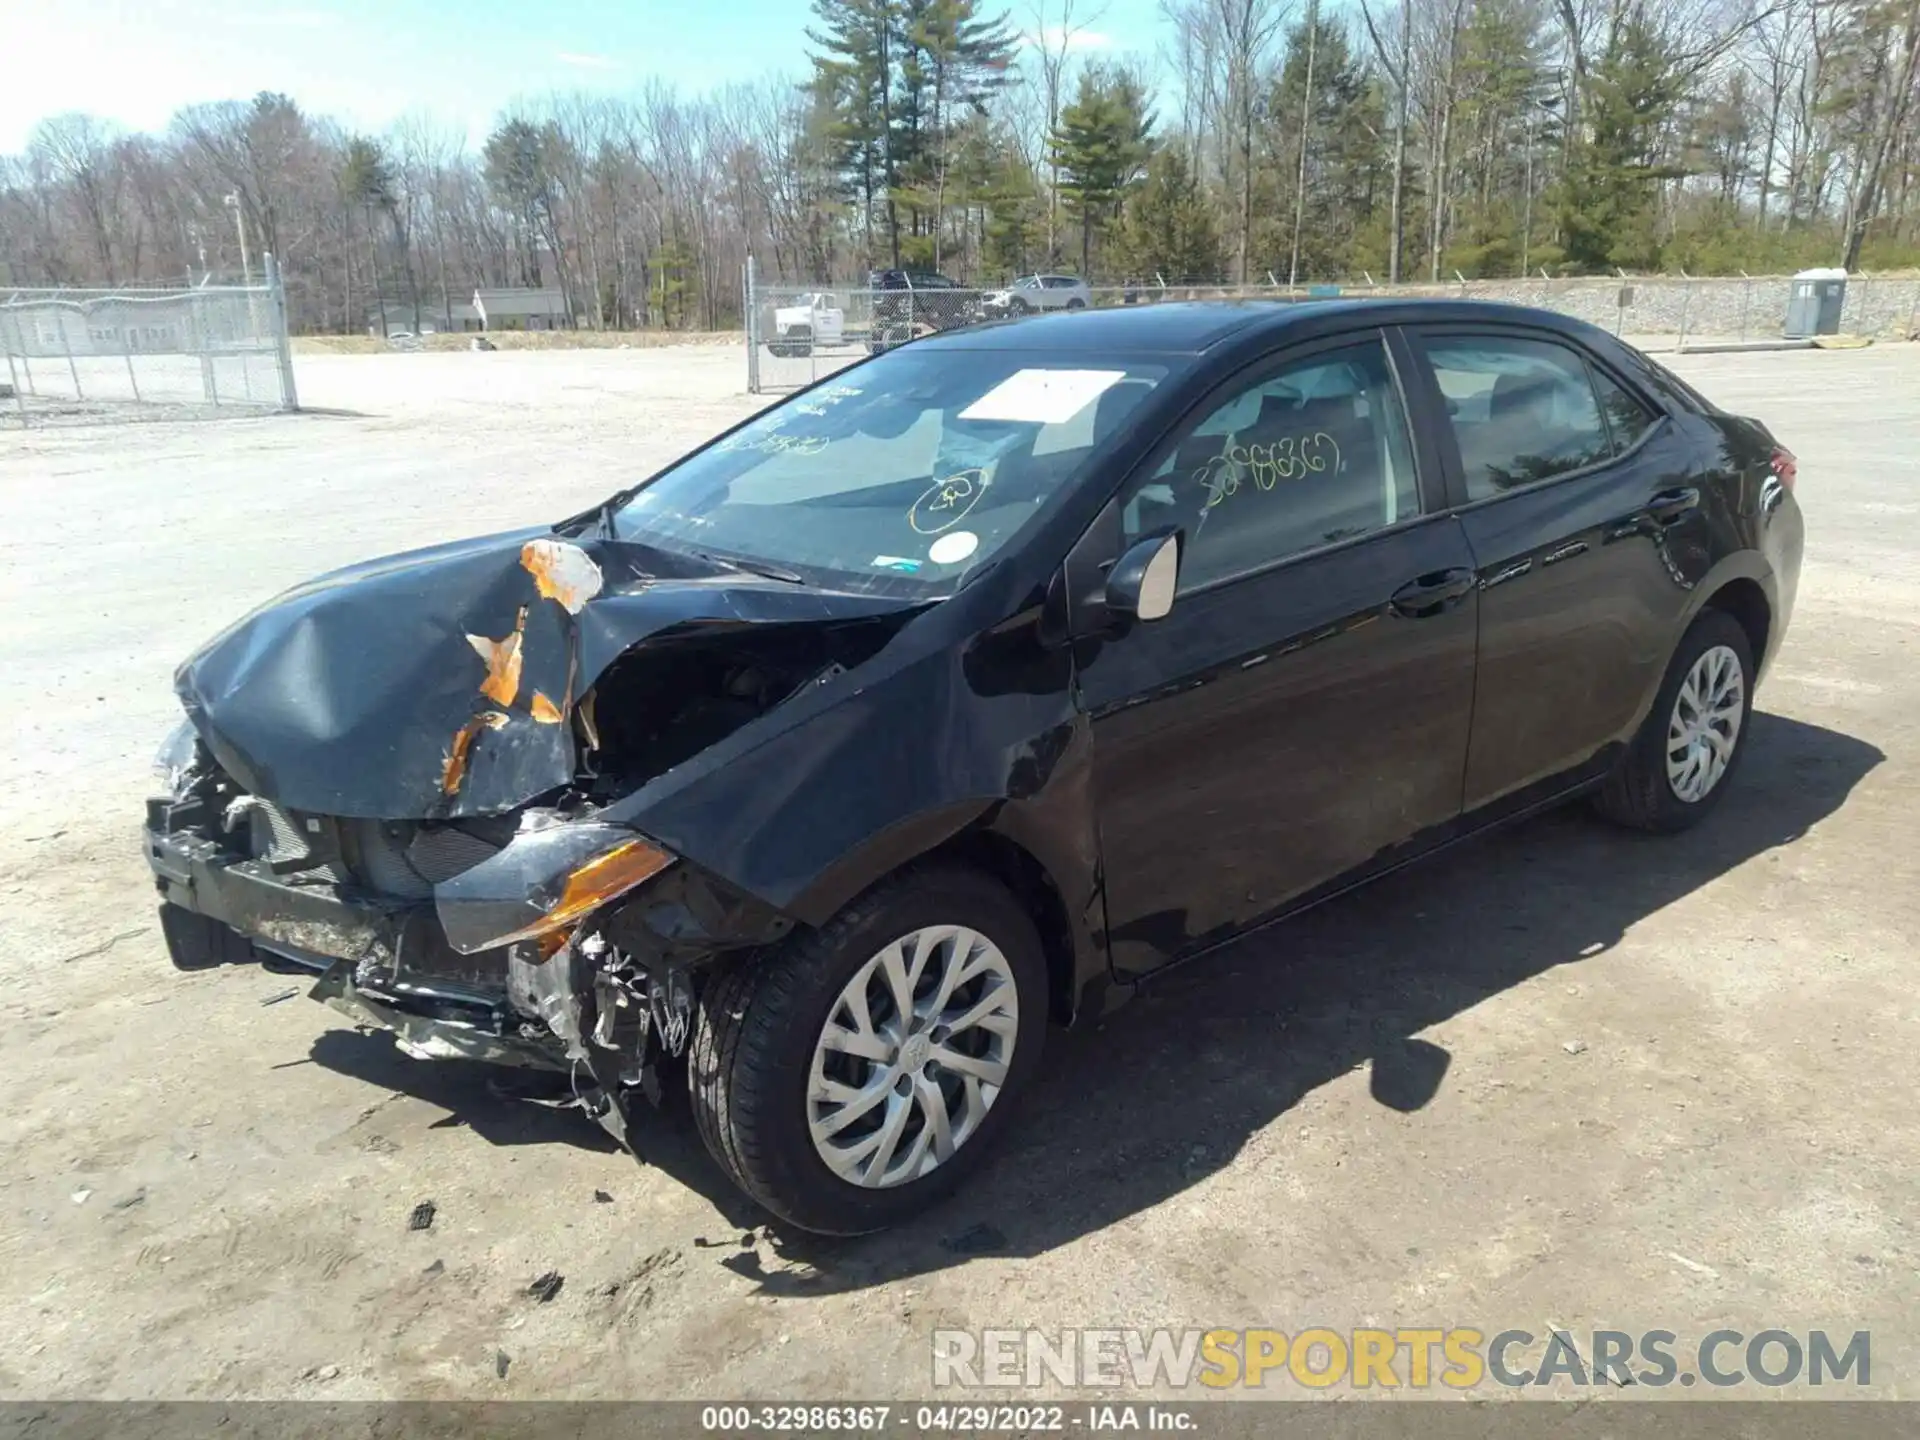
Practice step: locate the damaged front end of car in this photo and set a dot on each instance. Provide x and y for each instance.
(426, 779)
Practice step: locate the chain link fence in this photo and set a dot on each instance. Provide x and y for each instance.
(81, 356)
(796, 334)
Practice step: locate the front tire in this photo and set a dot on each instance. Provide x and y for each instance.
(852, 1075)
(1683, 758)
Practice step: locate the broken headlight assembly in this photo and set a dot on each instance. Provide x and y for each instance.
(177, 761)
(543, 882)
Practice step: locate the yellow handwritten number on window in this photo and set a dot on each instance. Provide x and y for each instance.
(1289, 458)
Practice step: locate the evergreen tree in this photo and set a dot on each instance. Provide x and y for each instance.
(1608, 203)
(366, 184)
(517, 173)
(1167, 227)
(1101, 145)
(1508, 129)
(1000, 195)
(900, 78)
(853, 85)
(1346, 160)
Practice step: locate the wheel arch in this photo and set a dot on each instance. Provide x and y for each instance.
(1006, 860)
(1743, 598)
(1742, 586)
(983, 840)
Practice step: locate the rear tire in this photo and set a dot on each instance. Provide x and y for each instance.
(754, 1068)
(1685, 754)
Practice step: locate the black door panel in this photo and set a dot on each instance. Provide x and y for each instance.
(1584, 575)
(1578, 614)
(1275, 732)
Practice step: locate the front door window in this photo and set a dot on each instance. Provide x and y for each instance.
(1309, 455)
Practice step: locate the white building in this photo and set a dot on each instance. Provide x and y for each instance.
(521, 308)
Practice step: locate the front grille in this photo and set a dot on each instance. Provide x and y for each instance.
(379, 849)
(444, 851)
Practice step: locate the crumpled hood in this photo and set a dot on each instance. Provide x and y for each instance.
(442, 682)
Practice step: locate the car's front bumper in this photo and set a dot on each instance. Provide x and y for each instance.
(383, 962)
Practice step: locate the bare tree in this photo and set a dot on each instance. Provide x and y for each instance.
(1397, 61)
(1053, 39)
(77, 152)
(1231, 43)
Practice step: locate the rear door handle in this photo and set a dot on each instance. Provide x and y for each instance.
(1431, 594)
(1669, 505)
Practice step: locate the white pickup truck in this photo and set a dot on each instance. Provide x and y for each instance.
(812, 320)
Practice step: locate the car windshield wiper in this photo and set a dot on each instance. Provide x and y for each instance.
(751, 567)
(608, 508)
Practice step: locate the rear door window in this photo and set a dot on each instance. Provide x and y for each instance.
(1521, 410)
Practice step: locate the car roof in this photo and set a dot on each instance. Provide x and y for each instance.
(1191, 327)
(1175, 327)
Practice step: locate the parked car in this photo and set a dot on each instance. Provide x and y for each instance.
(814, 319)
(910, 303)
(953, 697)
(1032, 293)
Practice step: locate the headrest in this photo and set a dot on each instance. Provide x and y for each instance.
(1514, 395)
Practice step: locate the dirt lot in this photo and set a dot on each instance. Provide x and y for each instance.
(1678, 1085)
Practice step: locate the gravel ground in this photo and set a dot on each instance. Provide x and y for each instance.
(1669, 1072)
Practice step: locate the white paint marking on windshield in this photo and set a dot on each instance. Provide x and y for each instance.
(1042, 397)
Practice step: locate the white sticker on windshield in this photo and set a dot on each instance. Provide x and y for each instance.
(1042, 397)
(952, 549)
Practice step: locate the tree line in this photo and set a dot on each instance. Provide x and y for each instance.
(1282, 141)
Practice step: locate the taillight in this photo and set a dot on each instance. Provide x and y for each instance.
(1785, 467)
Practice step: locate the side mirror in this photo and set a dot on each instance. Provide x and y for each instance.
(1141, 584)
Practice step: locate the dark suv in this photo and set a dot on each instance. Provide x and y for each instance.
(911, 303)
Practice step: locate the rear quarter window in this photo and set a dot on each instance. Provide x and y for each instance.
(1668, 387)
(1627, 417)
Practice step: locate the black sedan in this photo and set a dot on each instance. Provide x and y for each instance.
(949, 699)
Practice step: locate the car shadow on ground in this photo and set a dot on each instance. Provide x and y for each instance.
(1136, 1110)
(502, 1105)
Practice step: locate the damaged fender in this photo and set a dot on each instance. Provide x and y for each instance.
(432, 685)
(533, 673)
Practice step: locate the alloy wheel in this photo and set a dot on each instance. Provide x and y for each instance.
(912, 1056)
(1705, 724)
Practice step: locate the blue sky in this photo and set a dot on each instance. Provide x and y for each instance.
(370, 61)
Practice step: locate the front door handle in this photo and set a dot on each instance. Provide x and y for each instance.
(1669, 505)
(1430, 594)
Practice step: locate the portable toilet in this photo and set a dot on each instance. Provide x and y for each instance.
(1814, 303)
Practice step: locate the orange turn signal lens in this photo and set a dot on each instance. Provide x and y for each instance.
(605, 877)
